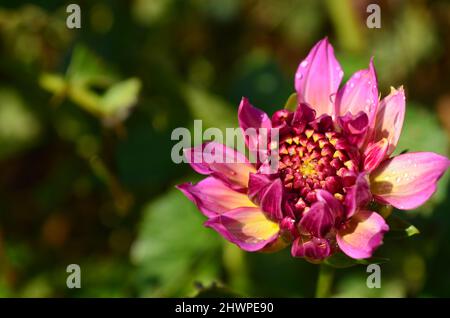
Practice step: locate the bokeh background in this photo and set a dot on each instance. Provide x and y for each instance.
(86, 118)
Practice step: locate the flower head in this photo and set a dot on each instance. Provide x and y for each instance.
(334, 158)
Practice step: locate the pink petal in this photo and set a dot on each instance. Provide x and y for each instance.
(270, 200)
(360, 93)
(288, 229)
(318, 78)
(323, 123)
(318, 220)
(251, 119)
(331, 202)
(355, 127)
(362, 234)
(389, 119)
(375, 154)
(221, 162)
(268, 193)
(257, 183)
(303, 114)
(358, 195)
(314, 248)
(407, 181)
(248, 228)
(281, 117)
(213, 197)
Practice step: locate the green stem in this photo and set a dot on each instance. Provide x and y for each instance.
(236, 267)
(324, 281)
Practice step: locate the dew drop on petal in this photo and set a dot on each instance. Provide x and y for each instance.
(304, 63)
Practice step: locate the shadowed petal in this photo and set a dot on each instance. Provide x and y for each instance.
(281, 120)
(303, 114)
(389, 119)
(270, 200)
(268, 193)
(318, 78)
(375, 154)
(288, 229)
(322, 123)
(248, 228)
(360, 93)
(213, 197)
(320, 218)
(257, 184)
(221, 162)
(355, 127)
(251, 119)
(278, 244)
(314, 248)
(333, 204)
(362, 234)
(358, 195)
(407, 181)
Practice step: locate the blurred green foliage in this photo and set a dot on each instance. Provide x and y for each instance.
(86, 118)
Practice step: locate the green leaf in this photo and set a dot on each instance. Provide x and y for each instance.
(85, 75)
(173, 250)
(213, 110)
(54, 83)
(118, 99)
(215, 291)
(372, 260)
(291, 103)
(349, 29)
(382, 209)
(399, 228)
(19, 127)
(340, 260)
(86, 68)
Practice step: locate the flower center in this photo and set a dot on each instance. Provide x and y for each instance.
(312, 160)
(308, 168)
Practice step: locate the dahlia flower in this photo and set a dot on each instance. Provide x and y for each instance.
(334, 160)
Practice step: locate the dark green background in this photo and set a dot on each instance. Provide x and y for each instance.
(79, 184)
